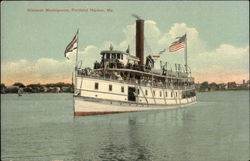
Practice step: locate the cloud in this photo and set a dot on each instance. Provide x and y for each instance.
(89, 55)
(195, 44)
(224, 63)
(41, 71)
(226, 56)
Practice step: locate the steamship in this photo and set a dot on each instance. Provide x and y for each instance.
(121, 82)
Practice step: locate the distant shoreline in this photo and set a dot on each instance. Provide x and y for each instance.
(62, 87)
(225, 90)
(38, 88)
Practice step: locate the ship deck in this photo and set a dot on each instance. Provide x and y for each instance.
(171, 75)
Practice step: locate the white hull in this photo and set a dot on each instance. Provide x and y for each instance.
(88, 106)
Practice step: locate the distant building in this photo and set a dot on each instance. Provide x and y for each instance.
(44, 89)
(231, 85)
(222, 86)
(65, 89)
(12, 89)
(27, 89)
(211, 89)
(55, 89)
(245, 84)
(197, 85)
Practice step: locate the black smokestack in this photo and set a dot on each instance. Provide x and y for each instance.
(140, 40)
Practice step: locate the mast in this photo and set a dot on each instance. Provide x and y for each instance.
(186, 53)
(77, 47)
(76, 58)
(72, 79)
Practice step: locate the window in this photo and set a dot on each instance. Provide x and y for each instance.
(118, 56)
(110, 87)
(154, 93)
(171, 94)
(138, 91)
(122, 89)
(146, 92)
(107, 55)
(122, 56)
(113, 56)
(96, 86)
(166, 94)
(160, 93)
(176, 94)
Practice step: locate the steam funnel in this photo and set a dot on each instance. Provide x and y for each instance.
(140, 40)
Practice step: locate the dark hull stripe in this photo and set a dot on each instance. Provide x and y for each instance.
(100, 113)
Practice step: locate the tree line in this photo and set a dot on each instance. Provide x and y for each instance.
(37, 88)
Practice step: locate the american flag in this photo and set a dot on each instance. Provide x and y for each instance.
(71, 46)
(179, 44)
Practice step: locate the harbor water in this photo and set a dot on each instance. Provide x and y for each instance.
(42, 127)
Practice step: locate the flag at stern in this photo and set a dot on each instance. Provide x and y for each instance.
(179, 44)
(72, 46)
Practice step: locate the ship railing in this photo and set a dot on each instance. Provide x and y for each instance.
(142, 83)
(168, 73)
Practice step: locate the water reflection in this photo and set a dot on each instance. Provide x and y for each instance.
(135, 136)
(168, 117)
(138, 150)
(171, 128)
(131, 148)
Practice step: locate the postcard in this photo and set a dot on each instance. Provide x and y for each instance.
(109, 80)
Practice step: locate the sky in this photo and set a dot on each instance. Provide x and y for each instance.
(33, 43)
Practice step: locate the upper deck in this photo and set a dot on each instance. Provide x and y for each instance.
(123, 62)
(168, 74)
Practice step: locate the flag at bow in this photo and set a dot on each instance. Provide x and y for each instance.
(161, 52)
(179, 44)
(72, 46)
